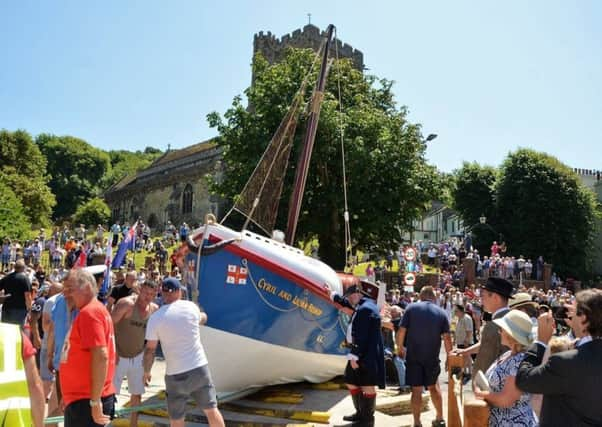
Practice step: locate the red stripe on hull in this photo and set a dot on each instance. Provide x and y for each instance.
(281, 270)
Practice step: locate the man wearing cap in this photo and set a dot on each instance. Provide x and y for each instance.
(366, 359)
(177, 325)
(494, 298)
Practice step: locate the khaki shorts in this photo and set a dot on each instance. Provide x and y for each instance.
(196, 383)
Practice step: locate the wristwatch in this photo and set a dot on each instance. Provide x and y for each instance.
(94, 403)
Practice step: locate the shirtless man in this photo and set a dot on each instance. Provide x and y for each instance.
(130, 316)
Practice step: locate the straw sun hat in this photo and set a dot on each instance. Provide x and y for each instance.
(518, 325)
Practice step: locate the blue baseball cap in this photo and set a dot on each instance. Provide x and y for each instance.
(171, 284)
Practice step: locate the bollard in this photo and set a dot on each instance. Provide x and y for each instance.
(454, 390)
(476, 414)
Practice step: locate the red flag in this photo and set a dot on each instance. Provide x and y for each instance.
(82, 260)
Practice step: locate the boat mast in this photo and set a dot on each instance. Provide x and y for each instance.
(308, 143)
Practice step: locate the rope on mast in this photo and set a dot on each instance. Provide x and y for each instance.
(348, 251)
(297, 99)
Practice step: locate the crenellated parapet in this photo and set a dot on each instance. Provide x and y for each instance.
(589, 177)
(310, 36)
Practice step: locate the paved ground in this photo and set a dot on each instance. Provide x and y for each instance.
(323, 404)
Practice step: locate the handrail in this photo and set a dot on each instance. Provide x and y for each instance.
(461, 413)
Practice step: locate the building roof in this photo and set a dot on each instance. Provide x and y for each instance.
(172, 160)
(172, 155)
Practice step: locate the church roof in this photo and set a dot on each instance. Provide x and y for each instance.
(173, 155)
(172, 160)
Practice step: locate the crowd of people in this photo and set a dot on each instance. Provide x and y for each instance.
(450, 255)
(66, 246)
(532, 355)
(78, 345)
(507, 335)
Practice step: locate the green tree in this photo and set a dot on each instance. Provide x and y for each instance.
(389, 181)
(94, 211)
(14, 223)
(76, 169)
(23, 169)
(473, 196)
(543, 209)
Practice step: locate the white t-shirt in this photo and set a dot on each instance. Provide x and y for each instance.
(177, 326)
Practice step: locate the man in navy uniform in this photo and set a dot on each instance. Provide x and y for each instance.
(366, 366)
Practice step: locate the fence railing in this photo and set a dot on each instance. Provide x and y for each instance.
(461, 413)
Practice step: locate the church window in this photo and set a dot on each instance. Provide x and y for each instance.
(187, 199)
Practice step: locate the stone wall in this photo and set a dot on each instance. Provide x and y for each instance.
(161, 204)
(310, 36)
(158, 197)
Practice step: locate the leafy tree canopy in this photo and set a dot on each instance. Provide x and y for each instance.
(536, 203)
(76, 169)
(23, 170)
(543, 209)
(94, 211)
(14, 224)
(389, 181)
(473, 196)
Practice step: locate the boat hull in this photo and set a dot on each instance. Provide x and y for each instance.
(270, 318)
(239, 363)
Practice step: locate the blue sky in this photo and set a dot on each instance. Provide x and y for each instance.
(486, 76)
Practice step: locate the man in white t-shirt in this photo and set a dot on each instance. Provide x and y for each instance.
(177, 325)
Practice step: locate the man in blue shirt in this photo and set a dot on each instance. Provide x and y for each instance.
(115, 230)
(62, 315)
(423, 326)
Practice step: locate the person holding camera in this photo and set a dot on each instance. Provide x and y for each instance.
(569, 380)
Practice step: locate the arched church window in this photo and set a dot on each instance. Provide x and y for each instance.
(187, 199)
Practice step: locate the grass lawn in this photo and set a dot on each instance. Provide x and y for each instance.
(360, 269)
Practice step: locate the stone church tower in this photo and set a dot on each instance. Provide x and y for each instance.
(174, 187)
(310, 36)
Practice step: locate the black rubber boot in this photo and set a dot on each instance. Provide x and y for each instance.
(367, 407)
(356, 403)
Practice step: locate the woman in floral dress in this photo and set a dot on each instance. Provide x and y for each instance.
(510, 407)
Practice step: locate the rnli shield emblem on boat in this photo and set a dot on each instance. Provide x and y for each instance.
(236, 275)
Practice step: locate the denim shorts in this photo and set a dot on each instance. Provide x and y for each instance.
(196, 383)
(45, 374)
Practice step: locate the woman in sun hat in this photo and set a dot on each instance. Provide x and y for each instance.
(509, 405)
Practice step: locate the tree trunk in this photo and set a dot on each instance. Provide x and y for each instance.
(332, 243)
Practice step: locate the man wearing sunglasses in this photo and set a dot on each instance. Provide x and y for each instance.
(177, 325)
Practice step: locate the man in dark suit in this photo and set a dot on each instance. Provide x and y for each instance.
(494, 297)
(366, 366)
(570, 381)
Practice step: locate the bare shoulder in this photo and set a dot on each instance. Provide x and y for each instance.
(126, 302)
(152, 307)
